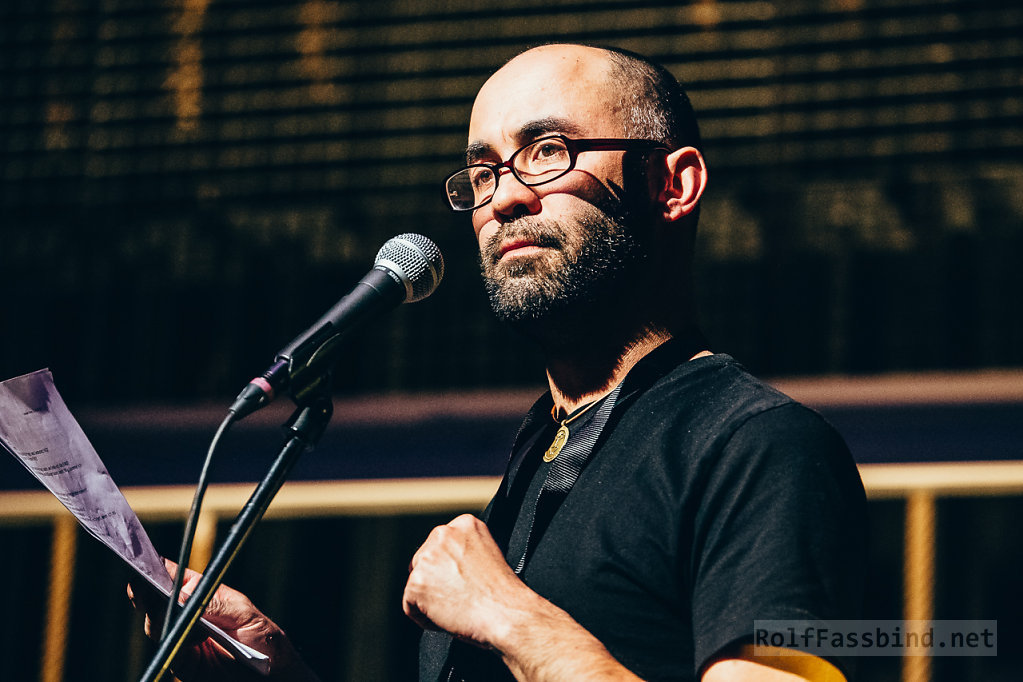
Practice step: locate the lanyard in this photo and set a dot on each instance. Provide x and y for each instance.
(564, 472)
(465, 662)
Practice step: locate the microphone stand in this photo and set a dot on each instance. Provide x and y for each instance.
(305, 427)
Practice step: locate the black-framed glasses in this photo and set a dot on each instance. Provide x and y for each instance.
(538, 162)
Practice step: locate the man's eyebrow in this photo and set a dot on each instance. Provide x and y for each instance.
(476, 151)
(529, 131)
(547, 126)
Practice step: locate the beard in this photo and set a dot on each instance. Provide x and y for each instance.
(591, 261)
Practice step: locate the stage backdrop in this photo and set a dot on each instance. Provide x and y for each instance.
(187, 184)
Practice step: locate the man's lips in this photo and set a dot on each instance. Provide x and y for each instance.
(518, 246)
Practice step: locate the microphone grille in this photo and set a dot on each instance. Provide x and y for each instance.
(415, 259)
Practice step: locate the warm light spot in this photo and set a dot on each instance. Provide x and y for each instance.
(312, 43)
(185, 79)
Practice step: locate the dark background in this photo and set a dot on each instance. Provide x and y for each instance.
(188, 184)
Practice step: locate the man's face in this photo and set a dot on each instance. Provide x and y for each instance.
(572, 263)
(545, 248)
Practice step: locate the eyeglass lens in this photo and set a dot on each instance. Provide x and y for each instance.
(536, 163)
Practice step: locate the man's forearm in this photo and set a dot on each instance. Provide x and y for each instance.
(460, 582)
(542, 643)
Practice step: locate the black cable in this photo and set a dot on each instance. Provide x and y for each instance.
(191, 522)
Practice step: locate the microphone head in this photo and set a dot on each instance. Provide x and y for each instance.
(416, 260)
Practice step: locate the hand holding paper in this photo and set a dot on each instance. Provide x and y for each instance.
(37, 428)
(235, 614)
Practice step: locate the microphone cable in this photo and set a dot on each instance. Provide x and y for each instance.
(188, 536)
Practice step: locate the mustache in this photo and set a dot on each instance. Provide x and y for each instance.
(540, 232)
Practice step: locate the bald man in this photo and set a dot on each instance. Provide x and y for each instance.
(659, 499)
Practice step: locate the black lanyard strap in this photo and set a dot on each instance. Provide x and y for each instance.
(564, 472)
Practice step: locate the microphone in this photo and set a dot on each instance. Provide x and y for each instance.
(407, 269)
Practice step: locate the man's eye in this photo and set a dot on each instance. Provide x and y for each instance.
(482, 178)
(546, 151)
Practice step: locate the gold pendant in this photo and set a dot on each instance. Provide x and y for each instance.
(560, 438)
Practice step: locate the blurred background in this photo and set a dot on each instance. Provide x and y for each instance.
(188, 184)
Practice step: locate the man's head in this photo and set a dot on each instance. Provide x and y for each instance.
(597, 232)
(654, 105)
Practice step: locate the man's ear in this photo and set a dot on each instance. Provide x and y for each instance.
(681, 183)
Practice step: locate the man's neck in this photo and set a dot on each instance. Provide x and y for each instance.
(590, 370)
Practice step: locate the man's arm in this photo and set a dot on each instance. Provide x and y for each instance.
(743, 670)
(459, 582)
(772, 665)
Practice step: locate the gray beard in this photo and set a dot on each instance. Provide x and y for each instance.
(584, 272)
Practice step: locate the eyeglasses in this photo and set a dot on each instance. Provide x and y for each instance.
(538, 162)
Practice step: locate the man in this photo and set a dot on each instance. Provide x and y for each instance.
(659, 499)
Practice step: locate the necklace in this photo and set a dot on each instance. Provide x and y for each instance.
(561, 437)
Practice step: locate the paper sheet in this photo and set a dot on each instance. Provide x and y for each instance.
(38, 429)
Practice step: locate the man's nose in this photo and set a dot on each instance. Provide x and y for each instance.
(512, 199)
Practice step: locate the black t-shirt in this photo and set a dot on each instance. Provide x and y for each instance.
(710, 501)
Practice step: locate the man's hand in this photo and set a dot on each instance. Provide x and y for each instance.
(206, 661)
(459, 582)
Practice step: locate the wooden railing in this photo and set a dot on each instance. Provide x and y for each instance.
(920, 485)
